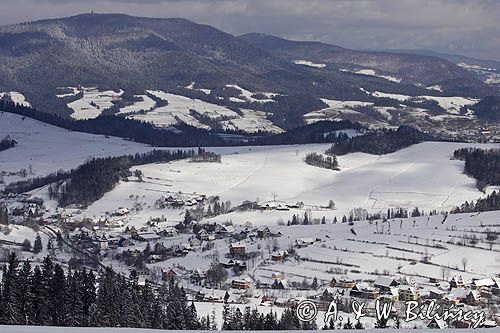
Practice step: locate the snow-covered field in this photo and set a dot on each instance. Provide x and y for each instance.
(93, 102)
(452, 105)
(309, 63)
(16, 97)
(145, 103)
(423, 175)
(247, 96)
(335, 110)
(48, 148)
(371, 72)
(181, 109)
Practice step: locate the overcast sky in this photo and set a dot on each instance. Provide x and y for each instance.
(457, 26)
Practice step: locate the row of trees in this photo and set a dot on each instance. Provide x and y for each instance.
(92, 180)
(186, 136)
(482, 164)
(328, 162)
(382, 142)
(252, 320)
(488, 203)
(189, 136)
(7, 143)
(47, 295)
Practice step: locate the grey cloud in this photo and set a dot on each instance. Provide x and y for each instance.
(459, 26)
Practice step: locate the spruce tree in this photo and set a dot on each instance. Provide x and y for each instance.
(37, 246)
(11, 314)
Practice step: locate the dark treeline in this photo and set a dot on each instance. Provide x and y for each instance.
(488, 108)
(488, 203)
(382, 142)
(252, 320)
(185, 136)
(319, 132)
(47, 296)
(328, 162)
(7, 143)
(90, 181)
(482, 164)
(33, 183)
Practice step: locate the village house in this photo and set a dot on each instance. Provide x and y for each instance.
(437, 324)
(282, 207)
(279, 255)
(342, 282)
(241, 265)
(224, 230)
(241, 284)
(237, 249)
(159, 248)
(280, 284)
(456, 296)
(473, 297)
(191, 202)
(34, 211)
(331, 293)
(495, 289)
(167, 232)
(154, 258)
(408, 293)
(385, 284)
(482, 283)
(456, 282)
(436, 294)
(263, 232)
(365, 292)
(125, 241)
(198, 275)
(102, 243)
(121, 211)
(202, 235)
(195, 242)
(281, 301)
(391, 296)
(239, 236)
(147, 237)
(303, 242)
(168, 275)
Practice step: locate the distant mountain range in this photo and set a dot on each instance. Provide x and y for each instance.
(92, 64)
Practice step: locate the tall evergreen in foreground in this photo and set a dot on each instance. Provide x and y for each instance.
(47, 296)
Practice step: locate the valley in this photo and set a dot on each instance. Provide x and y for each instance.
(280, 229)
(162, 173)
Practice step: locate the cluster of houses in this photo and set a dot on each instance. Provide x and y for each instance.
(212, 231)
(343, 291)
(273, 205)
(32, 208)
(179, 200)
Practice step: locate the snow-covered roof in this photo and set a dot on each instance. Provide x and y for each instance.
(237, 245)
(384, 281)
(488, 282)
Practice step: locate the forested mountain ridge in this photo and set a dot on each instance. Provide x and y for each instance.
(108, 62)
(411, 68)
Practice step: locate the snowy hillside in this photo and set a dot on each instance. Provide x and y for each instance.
(43, 148)
(422, 175)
